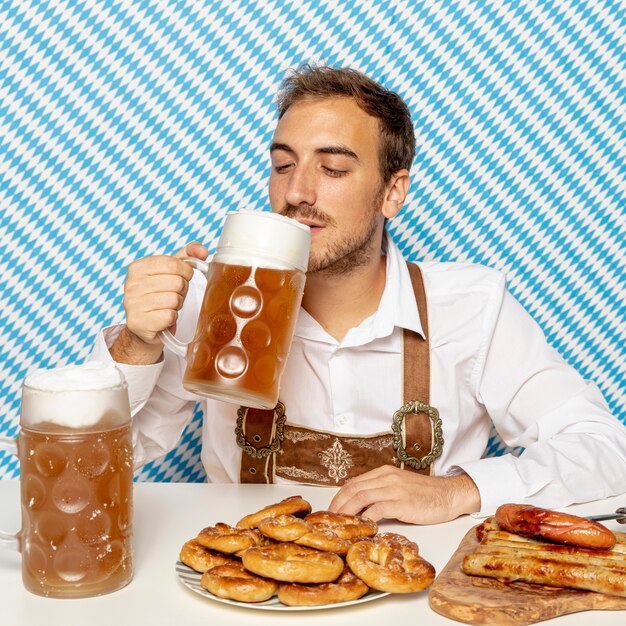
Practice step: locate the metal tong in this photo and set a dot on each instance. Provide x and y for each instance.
(619, 515)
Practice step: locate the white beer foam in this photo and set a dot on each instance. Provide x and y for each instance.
(88, 377)
(73, 396)
(263, 239)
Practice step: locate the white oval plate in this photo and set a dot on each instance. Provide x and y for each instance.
(191, 579)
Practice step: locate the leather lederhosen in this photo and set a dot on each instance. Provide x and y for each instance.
(272, 446)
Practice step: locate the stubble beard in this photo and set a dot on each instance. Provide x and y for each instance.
(345, 256)
(348, 254)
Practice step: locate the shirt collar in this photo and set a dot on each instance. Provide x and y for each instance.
(397, 308)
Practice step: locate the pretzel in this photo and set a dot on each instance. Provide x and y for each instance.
(199, 558)
(295, 505)
(225, 538)
(234, 582)
(292, 563)
(401, 539)
(305, 568)
(344, 526)
(391, 566)
(347, 587)
(325, 540)
(289, 528)
(284, 527)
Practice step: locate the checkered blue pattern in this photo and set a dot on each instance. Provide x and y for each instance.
(128, 128)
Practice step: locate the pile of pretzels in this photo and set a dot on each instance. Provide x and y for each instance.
(304, 558)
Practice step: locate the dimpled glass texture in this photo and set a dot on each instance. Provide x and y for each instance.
(244, 333)
(76, 511)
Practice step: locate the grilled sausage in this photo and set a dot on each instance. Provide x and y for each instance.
(548, 571)
(532, 521)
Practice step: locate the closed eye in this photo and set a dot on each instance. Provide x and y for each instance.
(335, 173)
(280, 169)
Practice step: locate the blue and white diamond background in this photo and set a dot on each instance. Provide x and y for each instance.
(129, 128)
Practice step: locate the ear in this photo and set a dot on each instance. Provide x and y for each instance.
(397, 189)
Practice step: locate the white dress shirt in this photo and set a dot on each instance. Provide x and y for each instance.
(489, 362)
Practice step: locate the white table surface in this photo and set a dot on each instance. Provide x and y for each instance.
(167, 514)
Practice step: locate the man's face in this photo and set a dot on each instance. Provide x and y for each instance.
(325, 173)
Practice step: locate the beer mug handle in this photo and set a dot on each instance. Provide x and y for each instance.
(9, 540)
(168, 339)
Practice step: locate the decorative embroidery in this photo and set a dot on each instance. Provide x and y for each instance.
(296, 436)
(337, 460)
(295, 472)
(369, 444)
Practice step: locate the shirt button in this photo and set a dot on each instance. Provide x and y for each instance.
(341, 420)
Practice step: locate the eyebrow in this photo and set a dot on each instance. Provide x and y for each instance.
(338, 149)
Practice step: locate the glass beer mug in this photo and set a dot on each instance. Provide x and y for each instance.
(255, 283)
(76, 476)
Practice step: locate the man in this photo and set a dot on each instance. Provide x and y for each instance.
(369, 328)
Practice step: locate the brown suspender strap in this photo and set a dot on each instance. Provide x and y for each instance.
(417, 366)
(420, 441)
(259, 435)
(416, 428)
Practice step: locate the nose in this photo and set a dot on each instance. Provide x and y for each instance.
(301, 187)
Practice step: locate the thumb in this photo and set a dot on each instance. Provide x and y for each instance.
(193, 249)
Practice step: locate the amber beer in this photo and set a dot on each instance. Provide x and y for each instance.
(255, 284)
(76, 473)
(77, 495)
(244, 333)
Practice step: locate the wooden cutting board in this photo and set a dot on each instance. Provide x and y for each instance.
(478, 600)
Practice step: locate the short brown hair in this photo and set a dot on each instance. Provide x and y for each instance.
(397, 136)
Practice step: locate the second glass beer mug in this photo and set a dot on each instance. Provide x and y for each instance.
(255, 283)
(76, 477)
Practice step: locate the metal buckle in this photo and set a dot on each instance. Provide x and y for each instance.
(261, 453)
(415, 406)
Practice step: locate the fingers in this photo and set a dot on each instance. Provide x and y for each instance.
(389, 492)
(193, 249)
(154, 292)
(158, 266)
(148, 326)
(367, 501)
(155, 284)
(360, 492)
(387, 509)
(379, 498)
(157, 301)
